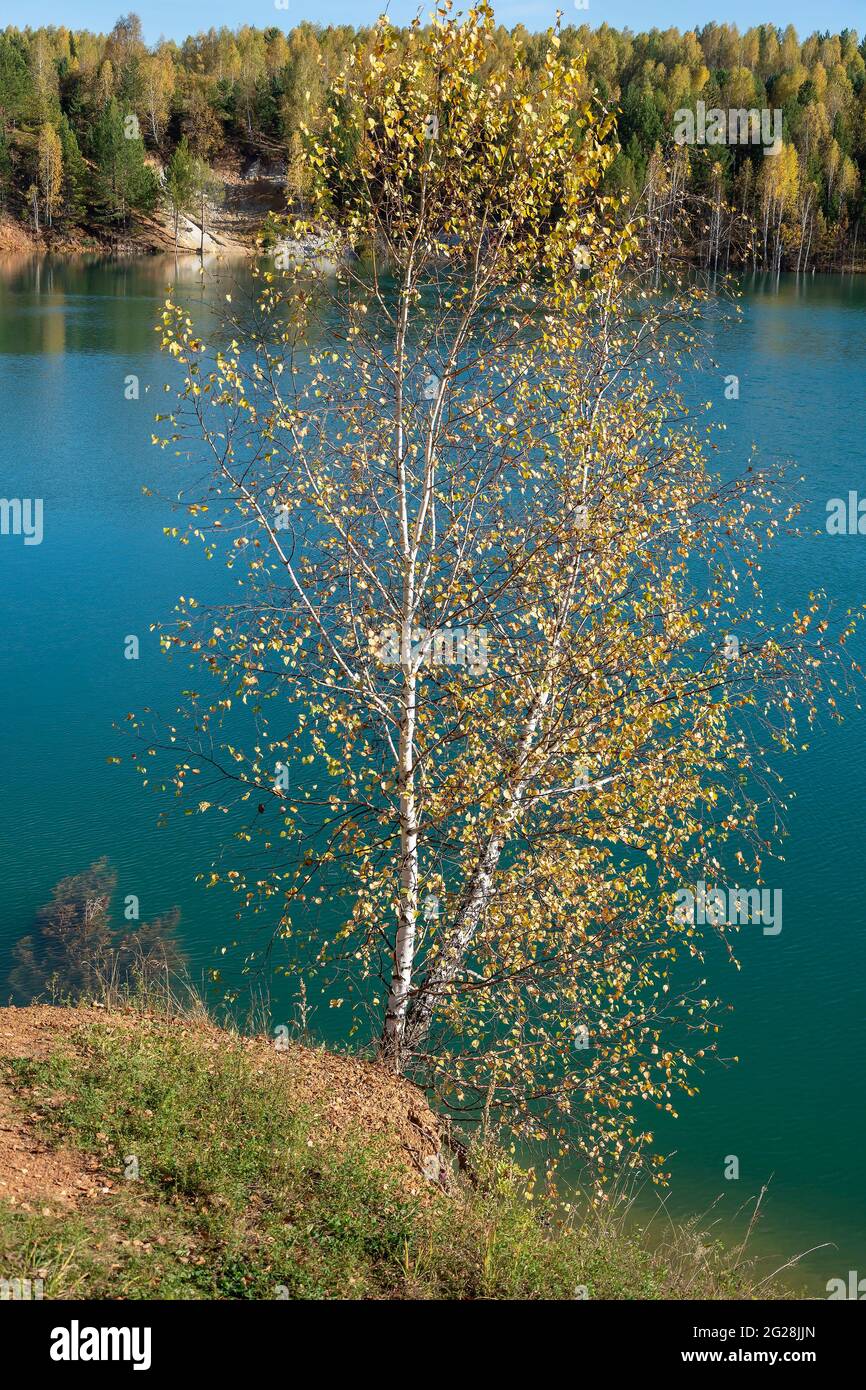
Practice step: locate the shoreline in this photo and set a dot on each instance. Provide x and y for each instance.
(151, 240)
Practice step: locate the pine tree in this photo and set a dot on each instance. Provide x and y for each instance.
(123, 181)
(5, 170)
(180, 183)
(206, 188)
(73, 196)
(14, 82)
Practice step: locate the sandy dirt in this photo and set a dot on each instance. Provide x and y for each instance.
(348, 1095)
(233, 220)
(33, 1175)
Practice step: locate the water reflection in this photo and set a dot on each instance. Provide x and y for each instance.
(51, 305)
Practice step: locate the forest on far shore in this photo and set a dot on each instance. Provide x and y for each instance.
(95, 128)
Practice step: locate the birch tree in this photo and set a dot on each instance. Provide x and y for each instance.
(50, 170)
(158, 84)
(486, 580)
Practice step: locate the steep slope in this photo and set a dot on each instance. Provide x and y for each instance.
(151, 1156)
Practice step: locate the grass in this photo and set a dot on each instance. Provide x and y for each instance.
(240, 1193)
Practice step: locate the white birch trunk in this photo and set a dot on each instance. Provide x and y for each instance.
(404, 947)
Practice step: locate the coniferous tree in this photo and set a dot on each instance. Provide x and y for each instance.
(73, 197)
(180, 184)
(14, 82)
(123, 183)
(239, 96)
(205, 189)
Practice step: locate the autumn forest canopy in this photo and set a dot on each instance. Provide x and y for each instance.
(89, 123)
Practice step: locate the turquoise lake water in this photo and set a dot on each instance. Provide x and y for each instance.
(792, 1109)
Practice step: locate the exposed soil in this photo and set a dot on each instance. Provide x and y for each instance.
(349, 1093)
(14, 239)
(233, 220)
(34, 1176)
(346, 1093)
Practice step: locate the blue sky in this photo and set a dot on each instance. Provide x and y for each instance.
(177, 18)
